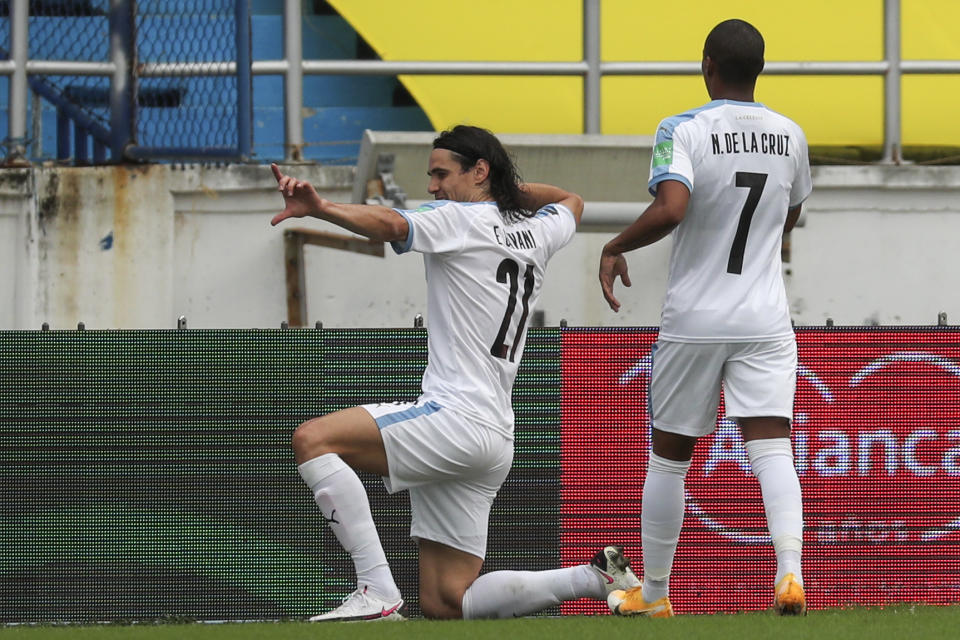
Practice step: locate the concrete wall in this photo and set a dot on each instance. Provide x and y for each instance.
(139, 246)
(880, 245)
(18, 281)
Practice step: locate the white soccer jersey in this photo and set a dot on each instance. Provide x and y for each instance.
(745, 166)
(484, 276)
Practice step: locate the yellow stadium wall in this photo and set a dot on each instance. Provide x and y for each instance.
(834, 110)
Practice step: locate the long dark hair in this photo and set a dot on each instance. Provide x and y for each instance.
(469, 144)
(737, 48)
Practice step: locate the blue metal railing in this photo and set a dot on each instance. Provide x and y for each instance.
(292, 67)
(117, 139)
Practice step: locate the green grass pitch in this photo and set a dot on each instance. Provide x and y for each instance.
(881, 623)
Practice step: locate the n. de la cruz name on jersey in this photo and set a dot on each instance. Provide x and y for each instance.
(522, 239)
(775, 144)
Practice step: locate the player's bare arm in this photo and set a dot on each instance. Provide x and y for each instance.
(539, 195)
(301, 200)
(792, 216)
(656, 222)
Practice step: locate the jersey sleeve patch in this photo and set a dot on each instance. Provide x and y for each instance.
(671, 159)
(663, 154)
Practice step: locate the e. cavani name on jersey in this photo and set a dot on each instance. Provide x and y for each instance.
(521, 239)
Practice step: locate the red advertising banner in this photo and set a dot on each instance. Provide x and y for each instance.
(877, 447)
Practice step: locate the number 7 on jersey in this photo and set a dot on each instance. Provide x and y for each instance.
(755, 182)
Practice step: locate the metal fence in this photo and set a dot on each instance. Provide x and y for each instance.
(176, 104)
(128, 79)
(116, 70)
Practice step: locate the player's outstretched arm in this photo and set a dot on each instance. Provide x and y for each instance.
(301, 200)
(537, 195)
(657, 221)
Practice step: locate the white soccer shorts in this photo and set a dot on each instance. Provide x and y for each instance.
(451, 466)
(759, 379)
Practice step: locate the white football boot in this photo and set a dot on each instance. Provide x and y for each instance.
(614, 569)
(362, 606)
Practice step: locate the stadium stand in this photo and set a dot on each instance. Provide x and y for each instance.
(336, 108)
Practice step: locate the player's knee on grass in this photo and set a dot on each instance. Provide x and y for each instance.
(439, 611)
(441, 605)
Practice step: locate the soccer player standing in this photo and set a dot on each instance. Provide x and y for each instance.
(728, 179)
(485, 241)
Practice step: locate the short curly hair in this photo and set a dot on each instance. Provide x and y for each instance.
(737, 49)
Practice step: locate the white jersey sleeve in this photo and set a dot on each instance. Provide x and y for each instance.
(802, 182)
(560, 224)
(435, 227)
(671, 157)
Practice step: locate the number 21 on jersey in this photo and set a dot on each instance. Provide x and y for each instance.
(509, 271)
